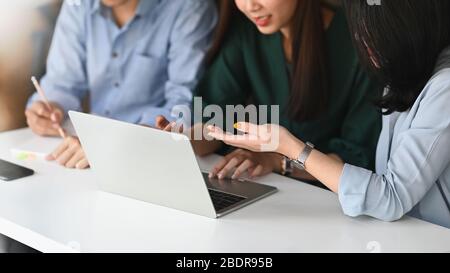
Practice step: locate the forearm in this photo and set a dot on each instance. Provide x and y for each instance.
(304, 175)
(201, 145)
(205, 147)
(325, 168)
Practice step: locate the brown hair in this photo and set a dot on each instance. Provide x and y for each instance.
(309, 85)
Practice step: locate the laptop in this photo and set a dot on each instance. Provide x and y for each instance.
(158, 167)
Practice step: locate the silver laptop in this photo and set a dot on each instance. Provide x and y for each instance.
(158, 167)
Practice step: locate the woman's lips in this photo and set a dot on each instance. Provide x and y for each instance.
(262, 21)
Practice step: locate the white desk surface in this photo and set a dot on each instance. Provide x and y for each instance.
(60, 210)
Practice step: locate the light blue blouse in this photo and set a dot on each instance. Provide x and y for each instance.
(412, 163)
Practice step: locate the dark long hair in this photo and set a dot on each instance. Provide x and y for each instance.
(309, 86)
(404, 38)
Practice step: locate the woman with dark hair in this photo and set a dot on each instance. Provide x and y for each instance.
(406, 43)
(296, 54)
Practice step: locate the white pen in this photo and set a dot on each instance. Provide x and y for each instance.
(47, 103)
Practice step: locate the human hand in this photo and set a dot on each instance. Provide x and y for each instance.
(44, 121)
(240, 161)
(70, 154)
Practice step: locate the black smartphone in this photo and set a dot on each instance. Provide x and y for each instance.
(10, 171)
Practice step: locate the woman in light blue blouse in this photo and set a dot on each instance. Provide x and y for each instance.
(410, 54)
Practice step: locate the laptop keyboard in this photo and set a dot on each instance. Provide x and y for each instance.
(223, 200)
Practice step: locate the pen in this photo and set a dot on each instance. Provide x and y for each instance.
(47, 103)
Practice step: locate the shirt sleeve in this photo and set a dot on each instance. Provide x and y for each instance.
(189, 41)
(361, 126)
(417, 161)
(65, 81)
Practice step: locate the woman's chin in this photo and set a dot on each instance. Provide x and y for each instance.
(267, 30)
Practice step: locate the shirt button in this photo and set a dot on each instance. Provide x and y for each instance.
(115, 55)
(117, 84)
(107, 113)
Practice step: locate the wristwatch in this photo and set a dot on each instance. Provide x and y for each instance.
(299, 163)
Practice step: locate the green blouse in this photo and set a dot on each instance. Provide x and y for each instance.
(252, 67)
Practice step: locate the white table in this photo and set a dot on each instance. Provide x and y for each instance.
(60, 210)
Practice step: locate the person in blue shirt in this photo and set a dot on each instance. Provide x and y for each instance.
(134, 59)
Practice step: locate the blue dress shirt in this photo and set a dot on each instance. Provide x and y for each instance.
(413, 161)
(134, 73)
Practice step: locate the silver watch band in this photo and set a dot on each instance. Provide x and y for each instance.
(301, 160)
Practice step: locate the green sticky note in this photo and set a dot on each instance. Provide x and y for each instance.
(22, 156)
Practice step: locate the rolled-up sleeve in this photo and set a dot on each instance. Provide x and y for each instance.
(65, 81)
(190, 40)
(420, 156)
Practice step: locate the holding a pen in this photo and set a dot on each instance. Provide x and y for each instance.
(49, 111)
(45, 117)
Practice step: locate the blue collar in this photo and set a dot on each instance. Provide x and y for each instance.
(144, 7)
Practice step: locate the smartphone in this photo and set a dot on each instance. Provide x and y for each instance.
(10, 171)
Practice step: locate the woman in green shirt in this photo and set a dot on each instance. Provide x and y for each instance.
(298, 55)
